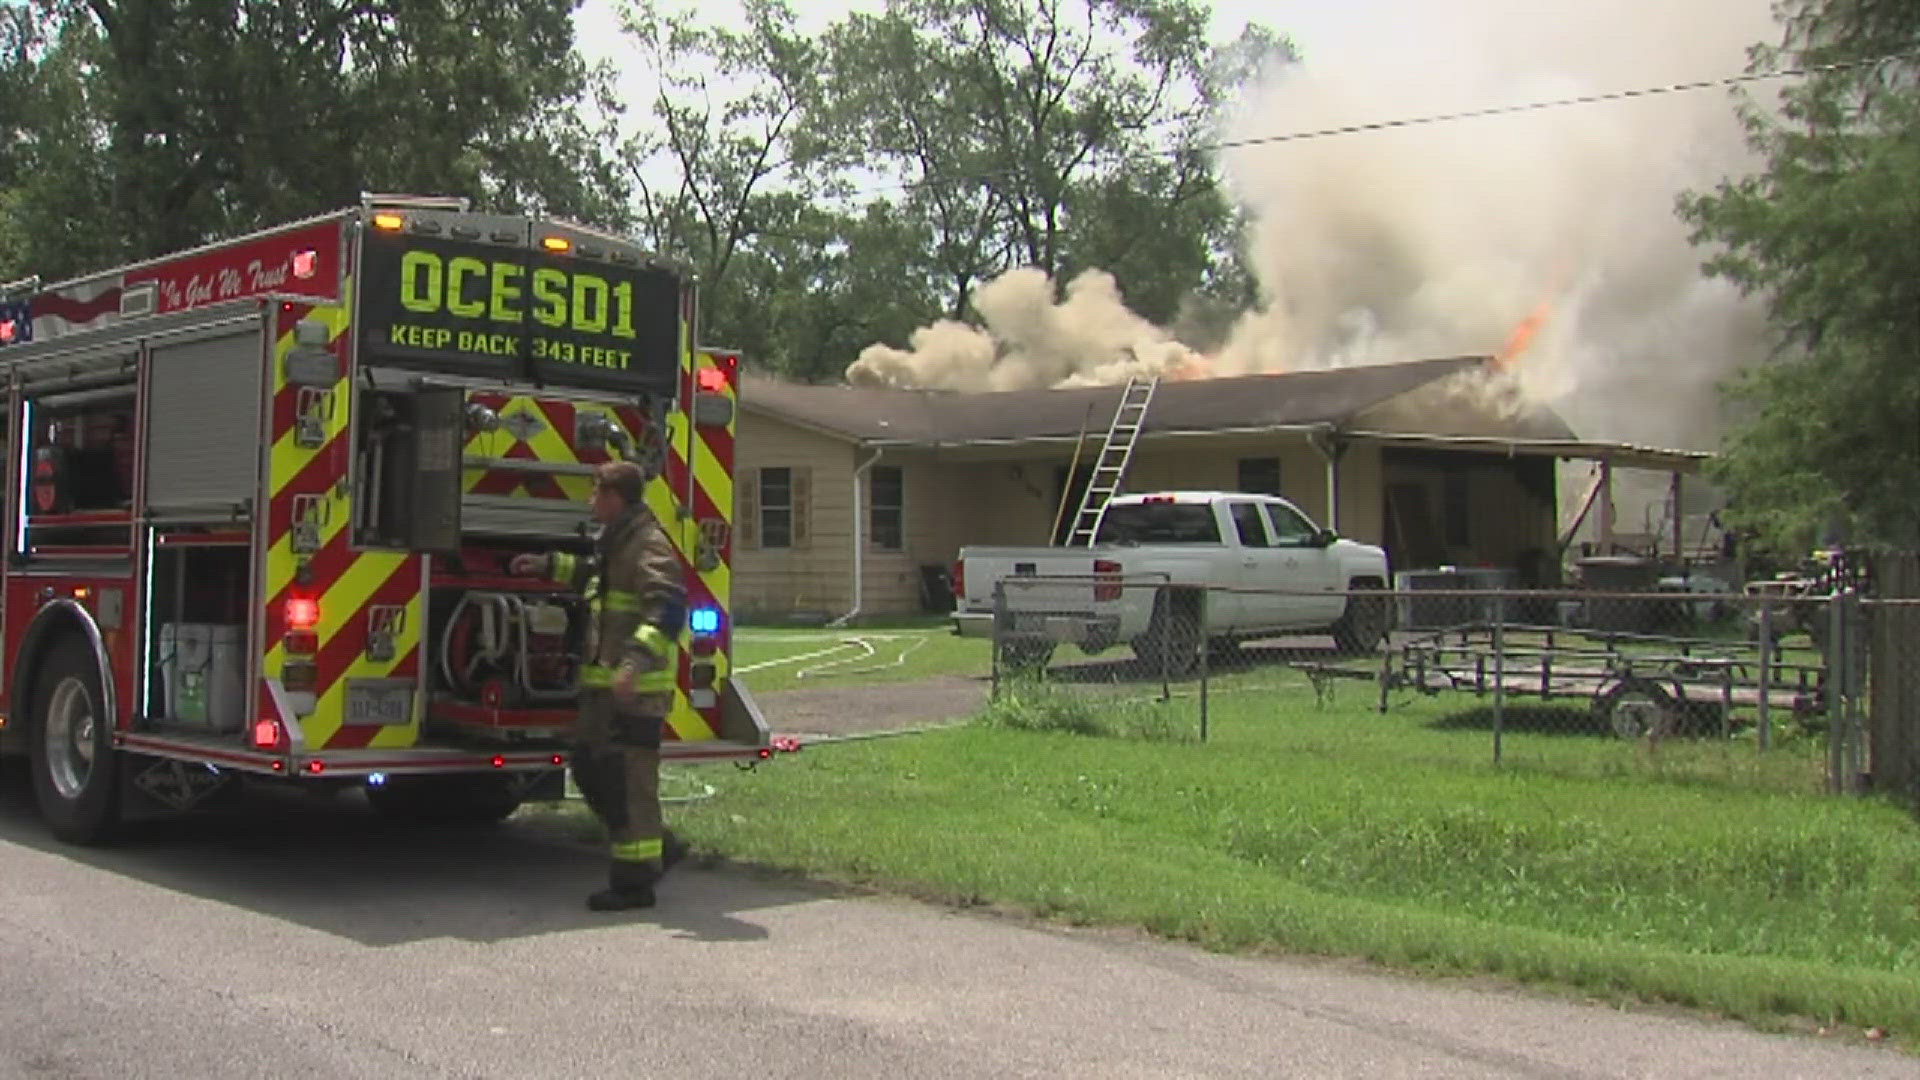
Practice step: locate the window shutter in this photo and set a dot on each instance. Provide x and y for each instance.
(802, 506)
(746, 509)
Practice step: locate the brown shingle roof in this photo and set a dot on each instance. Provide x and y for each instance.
(945, 418)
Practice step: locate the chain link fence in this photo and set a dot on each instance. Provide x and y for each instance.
(1827, 684)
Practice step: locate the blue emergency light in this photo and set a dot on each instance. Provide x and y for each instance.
(704, 620)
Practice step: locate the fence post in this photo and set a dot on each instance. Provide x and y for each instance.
(1766, 673)
(1206, 655)
(1836, 671)
(999, 634)
(1854, 614)
(1499, 672)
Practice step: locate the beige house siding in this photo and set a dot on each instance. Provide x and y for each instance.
(815, 575)
(1007, 495)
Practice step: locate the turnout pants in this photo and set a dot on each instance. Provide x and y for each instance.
(616, 766)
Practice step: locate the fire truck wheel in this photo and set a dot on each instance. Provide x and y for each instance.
(75, 767)
(453, 801)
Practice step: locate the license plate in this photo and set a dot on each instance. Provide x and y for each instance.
(389, 704)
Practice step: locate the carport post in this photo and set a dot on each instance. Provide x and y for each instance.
(1331, 447)
(1606, 506)
(1679, 531)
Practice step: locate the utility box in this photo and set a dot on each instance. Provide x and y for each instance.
(203, 669)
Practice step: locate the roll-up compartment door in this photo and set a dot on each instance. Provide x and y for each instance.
(203, 424)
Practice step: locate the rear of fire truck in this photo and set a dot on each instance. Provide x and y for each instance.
(350, 620)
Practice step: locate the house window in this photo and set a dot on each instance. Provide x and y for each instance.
(1260, 475)
(776, 508)
(886, 527)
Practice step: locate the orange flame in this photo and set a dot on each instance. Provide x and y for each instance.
(1196, 367)
(1522, 337)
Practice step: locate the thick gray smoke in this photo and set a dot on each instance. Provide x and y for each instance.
(1443, 239)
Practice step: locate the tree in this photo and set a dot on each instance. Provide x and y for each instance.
(1829, 233)
(729, 178)
(190, 119)
(1016, 124)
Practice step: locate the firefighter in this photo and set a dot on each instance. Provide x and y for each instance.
(636, 606)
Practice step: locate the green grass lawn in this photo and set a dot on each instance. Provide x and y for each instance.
(1699, 874)
(770, 660)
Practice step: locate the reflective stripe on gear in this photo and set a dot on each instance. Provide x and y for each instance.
(638, 850)
(561, 565)
(616, 600)
(599, 677)
(649, 637)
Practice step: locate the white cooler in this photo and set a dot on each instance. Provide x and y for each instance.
(203, 670)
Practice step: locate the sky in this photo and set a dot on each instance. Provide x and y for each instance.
(1307, 21)
(1427, 240)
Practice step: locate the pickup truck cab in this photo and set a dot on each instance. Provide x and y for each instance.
(1261, 566)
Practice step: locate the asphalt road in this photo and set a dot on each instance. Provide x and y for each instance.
(295, 940)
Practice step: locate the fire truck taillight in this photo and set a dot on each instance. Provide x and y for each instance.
(388, 222)
(303, 613)
(7, 331)
(306, 264)
(266, 734)
(712, 380)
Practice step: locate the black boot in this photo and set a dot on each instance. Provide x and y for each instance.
(629, 886)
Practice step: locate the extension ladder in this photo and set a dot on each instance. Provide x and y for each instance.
(1111, 468)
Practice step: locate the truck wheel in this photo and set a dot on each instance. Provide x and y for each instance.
(1026, 657)
(76, 774)
(453, 801)
(1173, 642)
(1364, 624)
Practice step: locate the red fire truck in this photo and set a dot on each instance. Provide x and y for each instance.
(261, 497)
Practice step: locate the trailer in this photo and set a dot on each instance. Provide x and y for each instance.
(1635, 685)
(261, 497)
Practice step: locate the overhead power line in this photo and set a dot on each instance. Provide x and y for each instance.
(1725, 82)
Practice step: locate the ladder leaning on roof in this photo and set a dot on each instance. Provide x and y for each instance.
(1111, 467)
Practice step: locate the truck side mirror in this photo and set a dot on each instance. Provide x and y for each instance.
(1325, 538)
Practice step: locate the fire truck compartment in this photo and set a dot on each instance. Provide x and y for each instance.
(196, 662)
(204, 391)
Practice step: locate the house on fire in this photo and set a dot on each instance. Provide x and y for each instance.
(849, 500)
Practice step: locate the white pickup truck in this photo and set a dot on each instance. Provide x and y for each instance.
(1264, 568)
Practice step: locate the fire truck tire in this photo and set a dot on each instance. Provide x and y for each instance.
(76, 774)
(452, 801)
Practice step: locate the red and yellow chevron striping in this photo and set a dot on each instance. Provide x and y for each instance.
(358, 595)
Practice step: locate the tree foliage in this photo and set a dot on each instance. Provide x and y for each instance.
(847, 188)
(153, 125)
(1829, 234)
